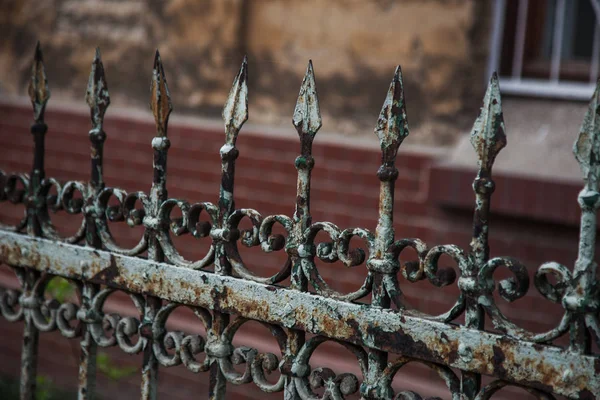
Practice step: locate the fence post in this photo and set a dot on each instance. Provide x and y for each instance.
(235, 113)
(39, 94)
(98, 100)
(307, 120)
(160, 103)
(581, 298)
(488, 138)
(392, 129)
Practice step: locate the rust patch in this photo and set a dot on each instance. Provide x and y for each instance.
(108, 274)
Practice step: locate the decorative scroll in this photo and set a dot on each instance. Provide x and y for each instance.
(232, 295)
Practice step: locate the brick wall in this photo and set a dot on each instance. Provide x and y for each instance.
(533, 220)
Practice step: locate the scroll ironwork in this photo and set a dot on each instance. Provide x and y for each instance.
(372, 322)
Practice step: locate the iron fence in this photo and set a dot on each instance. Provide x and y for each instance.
(159, 279)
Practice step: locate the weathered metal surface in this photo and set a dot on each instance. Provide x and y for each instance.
(539, 365)
(165, 280)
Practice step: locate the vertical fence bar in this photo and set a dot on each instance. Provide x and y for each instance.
(517, 66)
(559, 26)
(39, 94)
(392, 129)
(89, 350)
(488, 138)
(235, 113)
(307, 121)
(160, 103)
(582, 297)
(30, 340)
(98, 100)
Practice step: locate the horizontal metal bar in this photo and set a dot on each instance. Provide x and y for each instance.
(548, 368)
(545, 88)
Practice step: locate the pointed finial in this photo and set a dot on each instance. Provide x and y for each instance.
(392, 126)
(487, 135)
(96, 95)
(38, 85)
(307, 115)
(587, 145)
(160, 101)
(235, 111)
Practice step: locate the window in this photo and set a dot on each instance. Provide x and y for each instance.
(547, 48)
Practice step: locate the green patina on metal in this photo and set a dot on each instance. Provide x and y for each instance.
(230, 296)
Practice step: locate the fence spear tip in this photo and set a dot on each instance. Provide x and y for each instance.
(307, 114)
(160, 98)
(39, 93)
(97, 96)
(392, 125)
(235, 111)
(488, 135)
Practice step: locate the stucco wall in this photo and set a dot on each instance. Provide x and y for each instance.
(354, 45)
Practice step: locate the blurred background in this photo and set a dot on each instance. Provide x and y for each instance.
(547, 53)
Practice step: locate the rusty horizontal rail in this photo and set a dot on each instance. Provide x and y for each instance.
(459, 347)
(372, 322)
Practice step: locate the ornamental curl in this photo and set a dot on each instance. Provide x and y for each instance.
(353, 257)
(13, 187)
(124, 209)
(64, 199)
(413, 271)
(258, 365)
(330, 251)
(274, 242)
(384, 390)
(54, 201)
(184, 347)
(336, 387)
(555, 292)
(189, 222)
(259, 234)
(516, 287)
(68, 201)
(9, 305)
(510, 289)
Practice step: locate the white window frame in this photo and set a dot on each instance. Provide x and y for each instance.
(553, 87)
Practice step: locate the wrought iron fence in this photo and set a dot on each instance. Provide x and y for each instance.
(159, 279)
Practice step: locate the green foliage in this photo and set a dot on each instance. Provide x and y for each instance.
(44, 388)
(60, 289)
(106, 366)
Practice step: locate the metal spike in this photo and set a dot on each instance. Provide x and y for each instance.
(235, 111)
(307, 114)
(96, 95)
(587, 145)
(38, 85)
(160, 101)
(487, 135)
(392, 126)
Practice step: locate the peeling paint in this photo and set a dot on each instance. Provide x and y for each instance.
(232, 295)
